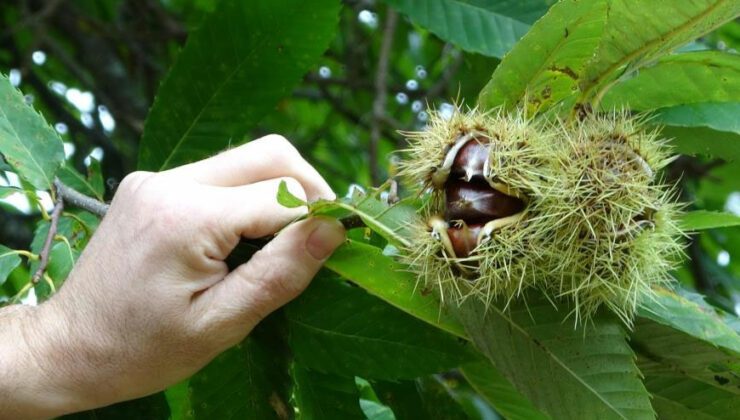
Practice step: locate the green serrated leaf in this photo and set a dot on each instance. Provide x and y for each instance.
(249, 380)
(231, 72)
(360, 335)
(545, 66)
(286, 198)
(676, 396)
(325, 396)
(27, 142)
(381, 276)
(702, 76)
(566, 372)
(9, 260)
(502, 395)
(686, 337)
(481, 26)
(704, 219)
(639, 31)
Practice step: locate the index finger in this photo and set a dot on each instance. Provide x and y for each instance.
(265, 158)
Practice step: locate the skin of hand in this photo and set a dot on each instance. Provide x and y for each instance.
(151, 300)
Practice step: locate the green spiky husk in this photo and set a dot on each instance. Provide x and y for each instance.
(599, 228)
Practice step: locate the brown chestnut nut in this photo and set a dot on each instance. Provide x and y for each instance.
(476, 202)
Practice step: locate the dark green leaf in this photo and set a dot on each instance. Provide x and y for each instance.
(704, 141)
(381, 276)
(704, 219)
(482, 26)
(493, 386)
(566, 372)
(9, 260)
(676, 396)
(286, 198)
(232, 71)
(358, 334)
(92, 185)
(702, 76)
(545, 66)
(325, 396)
(248, 381)
(639, 31)
(403, 398)
(27, 142)
(153, 407)
(675, 335)
(707, 128)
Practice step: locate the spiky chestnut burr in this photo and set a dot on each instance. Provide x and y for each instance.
(576, 211)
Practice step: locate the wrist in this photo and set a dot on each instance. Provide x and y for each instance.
(46, 382)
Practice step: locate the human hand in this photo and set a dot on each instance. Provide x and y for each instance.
(151, 299)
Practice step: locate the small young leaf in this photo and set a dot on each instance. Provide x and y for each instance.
(286, 198)
(704, 219)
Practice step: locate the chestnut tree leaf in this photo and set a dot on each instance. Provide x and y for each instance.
(286, 198)
(545, 66)
(705, 219)
(27, 143)
(381, 276)
(358, 334)
(232, 71)
(502, 395)
(325, 396)
(639, 31)
(481, 26)
(9, 260)
(566, 372)
(701, 76)
(706, 128)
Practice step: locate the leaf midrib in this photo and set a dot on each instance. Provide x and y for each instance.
(264, 38)
(557, 359)
(670, 34)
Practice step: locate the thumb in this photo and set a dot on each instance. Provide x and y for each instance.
(276, 274)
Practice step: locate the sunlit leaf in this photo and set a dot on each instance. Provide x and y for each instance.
(639, 31)
(27, 142)
(231, 72)
(703, 219)
(693, 77)
(545, 66)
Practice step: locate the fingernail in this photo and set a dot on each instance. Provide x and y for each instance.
(325, 238)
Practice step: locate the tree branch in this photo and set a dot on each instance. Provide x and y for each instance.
(381, 92)
(44, 254)
(77, 199)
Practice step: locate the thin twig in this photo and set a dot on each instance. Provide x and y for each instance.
(44, 254)
(77, 199)
(381, 92)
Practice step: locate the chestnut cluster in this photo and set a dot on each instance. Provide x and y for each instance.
(575, 209)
